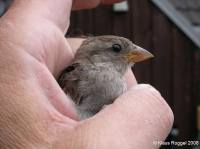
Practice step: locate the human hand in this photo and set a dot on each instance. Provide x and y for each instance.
(34, 111)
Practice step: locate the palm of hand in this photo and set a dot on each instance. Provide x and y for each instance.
(40, 48)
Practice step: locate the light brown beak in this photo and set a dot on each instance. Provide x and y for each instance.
(138, 54)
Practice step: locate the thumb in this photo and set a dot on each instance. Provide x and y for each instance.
(136, 119)
(140, 117)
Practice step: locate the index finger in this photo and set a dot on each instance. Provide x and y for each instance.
(80, 4)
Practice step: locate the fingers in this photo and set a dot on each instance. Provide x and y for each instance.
(143, 113)
(36, 12)
(57, 12)
(110, 1)
(135, 120)
(79, 4)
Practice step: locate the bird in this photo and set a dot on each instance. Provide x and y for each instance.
(94, 78)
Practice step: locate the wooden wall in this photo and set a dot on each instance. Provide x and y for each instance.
(175, 69)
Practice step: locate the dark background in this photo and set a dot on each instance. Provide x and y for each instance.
(175, 70)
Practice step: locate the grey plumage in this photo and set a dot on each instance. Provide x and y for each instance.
(95, 77)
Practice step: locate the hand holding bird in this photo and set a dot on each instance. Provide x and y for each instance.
(95, 77)
(35, 113)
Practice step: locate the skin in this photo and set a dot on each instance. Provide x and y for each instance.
(35, 113)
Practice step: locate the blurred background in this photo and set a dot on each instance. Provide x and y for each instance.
(170, 29)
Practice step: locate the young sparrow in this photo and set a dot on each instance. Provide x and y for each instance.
(95, 77)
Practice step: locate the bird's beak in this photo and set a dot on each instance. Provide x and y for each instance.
(138, 54)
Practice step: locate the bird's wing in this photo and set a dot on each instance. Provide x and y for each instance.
(69, 80)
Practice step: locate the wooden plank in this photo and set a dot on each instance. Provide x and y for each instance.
(196, 74)
(141, 30)
(81, 23)
(102, 20)
(121, 24)
(184, 104)
(73, 20)
(196, 88)
(197, 64)
(162, 49)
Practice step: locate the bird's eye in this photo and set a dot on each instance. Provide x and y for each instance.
(69, 68)
(116, 47)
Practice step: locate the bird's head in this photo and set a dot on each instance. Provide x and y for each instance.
(112, 49)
